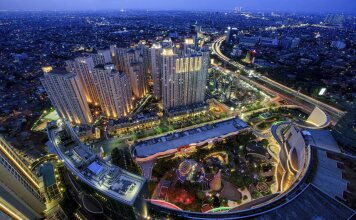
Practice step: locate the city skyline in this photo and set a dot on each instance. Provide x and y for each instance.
(316, 6)
(227, 113)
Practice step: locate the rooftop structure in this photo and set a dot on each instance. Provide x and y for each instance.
(310, 204)
(197, 136)
(20, 196)
(318, 118)
(107, 178)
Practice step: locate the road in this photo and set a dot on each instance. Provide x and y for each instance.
(271, 86)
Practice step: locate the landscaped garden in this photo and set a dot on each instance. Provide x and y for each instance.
(224, 174)
(264, 120)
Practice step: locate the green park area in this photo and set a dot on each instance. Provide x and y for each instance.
(229, 173)
(263, 120)
(169, 126)
(47, 116)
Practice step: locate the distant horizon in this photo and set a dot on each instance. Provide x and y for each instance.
(178, 10)
(288, 6)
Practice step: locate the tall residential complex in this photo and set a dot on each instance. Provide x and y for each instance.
(113, 77)
(67, 95)
(106, 54)
(132, 61)
(114, 91)
(138, 79)
(83, 67)
(19, 187)
(156, 74)
(184, 74)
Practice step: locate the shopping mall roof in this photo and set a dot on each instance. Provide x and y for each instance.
(185, 138)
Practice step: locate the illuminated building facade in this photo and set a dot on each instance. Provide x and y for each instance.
(250, 57)
(106, 55)
(131, 61)
(183, 77)
(19, 187)
(138, 79)
(83, 67)
(156, 74)
(67, 95)
(114, 91)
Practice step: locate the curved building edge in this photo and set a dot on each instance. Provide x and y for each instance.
(279, 201)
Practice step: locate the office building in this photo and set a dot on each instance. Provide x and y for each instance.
(269, 42)
(19, 187)
(114, 91)
(67, 95)
(248, 41)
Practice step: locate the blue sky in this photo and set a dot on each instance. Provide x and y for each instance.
(347, 6)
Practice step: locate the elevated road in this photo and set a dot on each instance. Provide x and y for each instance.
(271, 86)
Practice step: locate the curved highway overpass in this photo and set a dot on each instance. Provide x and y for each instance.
(274, 87)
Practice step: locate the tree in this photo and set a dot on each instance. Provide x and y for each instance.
(122, 158)
(264, 142)
(256, 194)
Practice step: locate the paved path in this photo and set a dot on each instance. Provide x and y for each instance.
(247, 193)
(147, 167)
(288, 175)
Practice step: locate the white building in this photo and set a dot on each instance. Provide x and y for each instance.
(20, 197)
(131, 61)
(156, 70)
(114, 91)
(83, 66)
(138, 79)
(67, 95)
(183, 78)
(106, 54)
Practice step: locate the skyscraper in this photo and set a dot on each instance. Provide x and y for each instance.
(83, 67)
(114, 91)
(156, 74)
(19, 187)
(138, 79)
(98, 58)
(131, 61)
(67, 95)
(146, 57)
(106, 54)
(183, 77)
